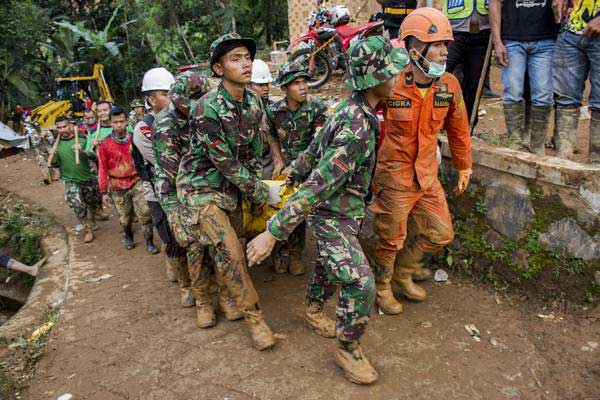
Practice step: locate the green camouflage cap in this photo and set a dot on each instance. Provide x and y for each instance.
(373, 61)
(136, 103)
(189, 85)
(289, 71)
(217, 47)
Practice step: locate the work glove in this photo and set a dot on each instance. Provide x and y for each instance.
(463, 180)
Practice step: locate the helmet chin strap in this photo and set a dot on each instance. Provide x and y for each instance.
(423, 56)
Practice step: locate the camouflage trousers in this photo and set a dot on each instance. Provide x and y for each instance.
(215, 229)
(292, 247)
(84, 198)
(341, 262)
(131, 200)
(41, 159)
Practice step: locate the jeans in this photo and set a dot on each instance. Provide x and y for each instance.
(535, 57)
(469, 50)
(574, 59)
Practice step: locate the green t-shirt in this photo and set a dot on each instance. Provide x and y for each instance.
(104, 132)
(65, 158)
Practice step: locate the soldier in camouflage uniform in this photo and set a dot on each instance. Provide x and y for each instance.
(332, 199)
(137, 108)
(223, 164)
(40, 141)
(170, 143)
(293, 122)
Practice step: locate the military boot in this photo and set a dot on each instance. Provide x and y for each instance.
(514, 115)
(321, 323)
(228, 305)
(281, 259)
(89, 234)
(149, 238)
(565, 131)
(205, 313)
(128, 237)
(186, 298)
(410, 289)
(296, 265)
(262, 336)
(422, 274)
(101, 215)
(540, 117)
(386, 301)
(595, 137)
(350, 357)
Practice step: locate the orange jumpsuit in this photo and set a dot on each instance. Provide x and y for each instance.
(406, 176)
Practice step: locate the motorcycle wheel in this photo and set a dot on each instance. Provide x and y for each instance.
(322, 72)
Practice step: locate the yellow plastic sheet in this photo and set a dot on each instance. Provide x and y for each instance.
(278, 195)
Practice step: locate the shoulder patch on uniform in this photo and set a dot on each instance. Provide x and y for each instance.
(340, 165)
(408, 78)
(399, 103)
(146, 131)
(215, 144)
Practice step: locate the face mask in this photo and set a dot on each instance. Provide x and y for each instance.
(435, 69)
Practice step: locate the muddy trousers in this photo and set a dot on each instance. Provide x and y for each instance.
(292, 247)
(342, 262)
(433, 228)
(131, 200)
(85, 200)
(214, 228)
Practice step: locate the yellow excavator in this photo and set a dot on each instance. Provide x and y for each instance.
(70, 95)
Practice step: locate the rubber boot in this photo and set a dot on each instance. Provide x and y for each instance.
(296, 265)
(514, 115)
(229, 306)
(595, 137)
(422, 274)
(540, 117)
(410, 289)
(350, 357)
(128, 237)
(262, 336)
(171, 269)
(386, 301)
(321, 323)
(148, 237)
(565, 131)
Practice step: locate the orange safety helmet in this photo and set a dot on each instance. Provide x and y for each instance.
(426, 24)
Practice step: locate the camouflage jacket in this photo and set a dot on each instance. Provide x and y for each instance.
(170, 142)
(342, 158)
(225, 151)
(294, 130)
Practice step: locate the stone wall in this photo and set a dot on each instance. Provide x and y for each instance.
(298, 11)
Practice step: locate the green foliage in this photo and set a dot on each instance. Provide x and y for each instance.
(21, 233)
(44, 39)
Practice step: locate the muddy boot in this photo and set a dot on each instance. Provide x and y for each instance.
(128, 237)
(540, 117)
(322, 324)
(514, 115)
(262, 336)
(296, 265)
(422, 274)
(101, 215)
(89, 234)
(350, 357)
(386, 301)
(229, 306)
(186, 298)
(595, 137)
(565, 130)
(148, 237)
(410, 289)
(171, 269)
(205, 315)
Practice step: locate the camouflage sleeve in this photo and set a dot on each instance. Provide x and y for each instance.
(305, 162)
(166, 150)
(320, 116)
(255, 163)
(272, 136)
(210, 134)
(334, 168)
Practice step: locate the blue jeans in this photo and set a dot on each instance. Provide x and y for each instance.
(574, 59)
(536, 58)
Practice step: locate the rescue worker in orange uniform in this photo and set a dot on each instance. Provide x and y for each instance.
(426, 100)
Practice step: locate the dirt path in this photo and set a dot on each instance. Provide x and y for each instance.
(126, 337)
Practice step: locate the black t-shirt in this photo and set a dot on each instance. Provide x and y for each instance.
(394, 12)
(524, 20)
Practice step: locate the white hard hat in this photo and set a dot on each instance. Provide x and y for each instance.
(260, 72)
(157, 79)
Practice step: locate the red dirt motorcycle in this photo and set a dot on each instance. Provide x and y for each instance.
(323, 48)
